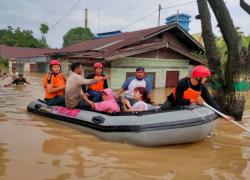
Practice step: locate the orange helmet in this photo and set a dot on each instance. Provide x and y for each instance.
(200, 72)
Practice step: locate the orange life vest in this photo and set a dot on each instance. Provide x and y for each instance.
(189, 94)
(56, 81)
(99, 86)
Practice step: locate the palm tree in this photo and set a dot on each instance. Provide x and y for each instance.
(44, 30)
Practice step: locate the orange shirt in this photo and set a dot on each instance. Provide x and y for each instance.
(56, 81)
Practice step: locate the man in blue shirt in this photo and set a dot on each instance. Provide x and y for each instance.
(131, 83)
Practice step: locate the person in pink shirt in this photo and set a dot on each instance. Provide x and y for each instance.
(109, 103)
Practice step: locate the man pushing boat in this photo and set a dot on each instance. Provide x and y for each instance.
(192, 90)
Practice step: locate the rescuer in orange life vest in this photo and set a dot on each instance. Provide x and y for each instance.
(54, 85)
(191, 90)
(94, 91)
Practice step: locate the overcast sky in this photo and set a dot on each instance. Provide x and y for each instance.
(114, 15)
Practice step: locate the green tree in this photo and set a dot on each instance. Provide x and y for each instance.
(44, 30)
(234, 54)
(4, 63)
(20, 38)
(76, 35)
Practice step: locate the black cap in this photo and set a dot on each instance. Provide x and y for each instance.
(140, 69)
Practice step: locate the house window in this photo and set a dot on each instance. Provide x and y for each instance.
(148, 75)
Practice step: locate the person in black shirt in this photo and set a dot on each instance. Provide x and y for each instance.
(185, 86)
(19, 81)
(192, 90)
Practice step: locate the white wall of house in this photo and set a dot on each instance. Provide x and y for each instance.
(27, 67)
(10, 65)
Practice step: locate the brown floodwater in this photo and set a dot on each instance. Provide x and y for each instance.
(34, 147)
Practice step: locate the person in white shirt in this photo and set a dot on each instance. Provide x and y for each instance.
(131, 83)
(142, 101)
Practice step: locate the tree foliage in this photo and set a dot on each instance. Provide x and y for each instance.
(20, 38)
(44, 29)
(4, 63)
(235, 58)
(222, 48)
(76, 35)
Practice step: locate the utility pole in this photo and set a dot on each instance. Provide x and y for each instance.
(177, 17)
(159, 15)
(99, 18)
(86, 18)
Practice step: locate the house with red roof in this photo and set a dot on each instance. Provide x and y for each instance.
(166, 52)
(26, 59)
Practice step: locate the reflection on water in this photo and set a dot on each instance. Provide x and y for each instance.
(33, 147)
(3, 159)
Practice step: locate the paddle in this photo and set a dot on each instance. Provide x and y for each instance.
(226, 117)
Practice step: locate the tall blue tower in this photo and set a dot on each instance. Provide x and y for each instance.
(182, 19)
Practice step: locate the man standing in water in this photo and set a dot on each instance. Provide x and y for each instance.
(74, 96)
(54, 85)
(18, 81)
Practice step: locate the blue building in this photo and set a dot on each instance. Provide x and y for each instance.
(182, 19)
(106, 34)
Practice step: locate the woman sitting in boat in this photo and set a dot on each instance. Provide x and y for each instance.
(142, 99)
(109, 103)
(95, 90)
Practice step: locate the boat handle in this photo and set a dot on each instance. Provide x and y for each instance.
(98, 119)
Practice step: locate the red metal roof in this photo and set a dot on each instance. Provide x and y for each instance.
(121, 40)
(124, 52)
(22, 52)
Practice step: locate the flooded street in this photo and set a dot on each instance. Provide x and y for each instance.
(34, 147)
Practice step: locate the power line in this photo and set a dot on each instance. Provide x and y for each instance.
(139, 19)
(179, 5)
(67, 13)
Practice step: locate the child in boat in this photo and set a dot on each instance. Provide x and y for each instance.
(109, 103)
(95, 90)
(142, 101)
